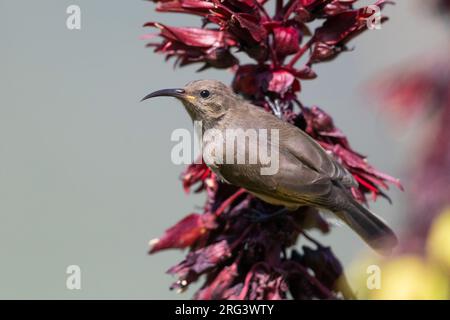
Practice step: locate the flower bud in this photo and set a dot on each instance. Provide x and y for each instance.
(286, 40)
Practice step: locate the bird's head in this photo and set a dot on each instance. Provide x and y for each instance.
(206, 100)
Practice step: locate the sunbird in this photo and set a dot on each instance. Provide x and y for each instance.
(307, 175)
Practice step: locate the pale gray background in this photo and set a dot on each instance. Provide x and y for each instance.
(86, 176)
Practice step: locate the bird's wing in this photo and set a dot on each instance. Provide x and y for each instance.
(294, 183)
(311, 154)
(304, 148)
(306, 171)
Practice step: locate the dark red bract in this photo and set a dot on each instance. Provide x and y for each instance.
(443, 6)
(413, 90)
(242, 259)
(421, 87)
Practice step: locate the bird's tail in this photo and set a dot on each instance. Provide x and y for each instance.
(367, 225)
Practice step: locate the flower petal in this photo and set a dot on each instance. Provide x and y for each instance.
(184, 233)
(286, 40)
(196, 37)
(278, 81)
(185, 6)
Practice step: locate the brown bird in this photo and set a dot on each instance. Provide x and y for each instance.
(307, 175)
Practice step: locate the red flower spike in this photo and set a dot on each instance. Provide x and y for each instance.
(423, 89)
(239, 258)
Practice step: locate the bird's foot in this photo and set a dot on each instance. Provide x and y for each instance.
(275, 106)
(258, 216)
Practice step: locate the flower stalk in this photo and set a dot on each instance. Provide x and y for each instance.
(239, 258)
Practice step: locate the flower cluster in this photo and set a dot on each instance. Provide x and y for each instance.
(411, 275)
(443, 6)
(242, 259)
(410, 92)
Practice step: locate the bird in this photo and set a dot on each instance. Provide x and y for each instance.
(307, 175)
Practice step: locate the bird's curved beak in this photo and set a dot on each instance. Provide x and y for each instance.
(177, 93)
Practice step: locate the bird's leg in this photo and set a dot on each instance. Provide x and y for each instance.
(258, 216)
(275, 106)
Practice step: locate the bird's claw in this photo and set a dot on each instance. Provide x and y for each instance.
(275, 106)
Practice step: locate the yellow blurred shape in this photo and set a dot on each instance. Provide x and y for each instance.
(357, 272)
(411, 278)
(438, 244)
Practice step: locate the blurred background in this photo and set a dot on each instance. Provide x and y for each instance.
(86, 177)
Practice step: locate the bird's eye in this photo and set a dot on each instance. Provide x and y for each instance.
(204, 93)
